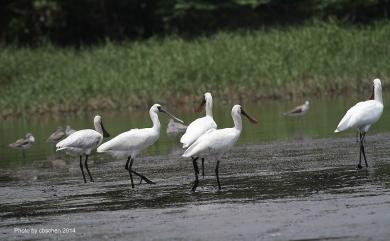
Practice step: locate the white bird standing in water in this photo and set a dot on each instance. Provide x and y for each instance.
(130, 143)
(200, 126)
(299, 110)
(23, 143)
(217, 142)
(83, 142)
(362, 115)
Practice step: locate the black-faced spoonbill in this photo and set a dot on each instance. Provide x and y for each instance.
(299, 110)
(362, 115)
(200, 126)
(217, 142)
(83, 142)
(130, 143)
(23, 143)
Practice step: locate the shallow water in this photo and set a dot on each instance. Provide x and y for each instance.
(287, 190)
(287, 179)
(318, 122)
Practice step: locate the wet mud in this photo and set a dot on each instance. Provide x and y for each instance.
(297, 189)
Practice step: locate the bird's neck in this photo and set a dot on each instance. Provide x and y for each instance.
(378, 95)
(155, 120)
(209, 107)
(237, 122)
(98, 127)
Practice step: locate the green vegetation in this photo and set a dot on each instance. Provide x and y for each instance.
(73, 22)
(277, 63)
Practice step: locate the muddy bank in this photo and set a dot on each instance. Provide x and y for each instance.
(300, 189)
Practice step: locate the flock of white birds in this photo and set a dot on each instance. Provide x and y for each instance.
(202, 139)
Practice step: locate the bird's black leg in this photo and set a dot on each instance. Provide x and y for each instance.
(142, 177)
(196, 171)
(23, 154)
(127, 163)
(127, 168)
(195, 158)
(359, 166)
(202, 167)
(82, 170)
(130, 173)
(86, 166)
(217, 174)
(362, 144)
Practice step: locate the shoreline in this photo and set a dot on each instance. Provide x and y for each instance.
(188, 103)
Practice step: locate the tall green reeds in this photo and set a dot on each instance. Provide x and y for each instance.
(314, 59)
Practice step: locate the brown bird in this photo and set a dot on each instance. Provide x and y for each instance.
(299, 110)
(23, 143)
(57, 136)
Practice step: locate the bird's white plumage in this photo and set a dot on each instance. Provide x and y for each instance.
(196, 129)
(200, 125)
(213, 143)
(217, 142)
(83, 142)
(130, 143)
(362, 115)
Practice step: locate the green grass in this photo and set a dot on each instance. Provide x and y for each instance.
(315, 59)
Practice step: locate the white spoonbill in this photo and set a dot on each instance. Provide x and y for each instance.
(200, 126)
(299, 110)
(23, 143)
(217, 142)
(83, 142)
(362, 115)
(130, 143)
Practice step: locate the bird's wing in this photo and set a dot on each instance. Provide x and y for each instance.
(363, 113)
(129, 140)
(213, 141)
(296, 110)
(57, 135)
(343, 124)
(83, 139)
(366, 114)
(19, 142)
(196, 129)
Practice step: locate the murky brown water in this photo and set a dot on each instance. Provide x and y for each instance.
(295, 189)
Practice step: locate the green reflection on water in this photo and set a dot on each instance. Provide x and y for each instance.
(320, 121)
